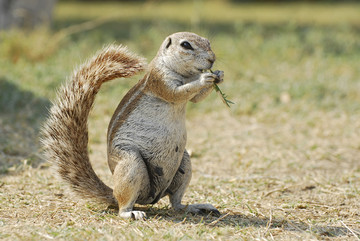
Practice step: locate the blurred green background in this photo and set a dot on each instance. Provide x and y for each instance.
(291, 57)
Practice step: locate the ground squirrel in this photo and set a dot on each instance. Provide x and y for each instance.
(146, 135)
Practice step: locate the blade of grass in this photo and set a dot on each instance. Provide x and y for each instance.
(223, 96)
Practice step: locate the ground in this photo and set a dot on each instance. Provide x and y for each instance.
(281, 164)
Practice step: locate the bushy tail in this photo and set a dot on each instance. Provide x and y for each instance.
(65, 133)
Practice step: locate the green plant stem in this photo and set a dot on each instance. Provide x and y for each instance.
(223, 96)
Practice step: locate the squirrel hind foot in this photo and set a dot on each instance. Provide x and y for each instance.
(199, 209)
(136, 215)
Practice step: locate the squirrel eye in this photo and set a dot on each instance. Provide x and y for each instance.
(186, 45)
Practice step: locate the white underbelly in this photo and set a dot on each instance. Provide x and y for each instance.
(157, 130)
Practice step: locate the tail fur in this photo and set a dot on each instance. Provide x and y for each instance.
(65, 133)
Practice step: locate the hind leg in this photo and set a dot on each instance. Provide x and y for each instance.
(131, 182)
(178, 186)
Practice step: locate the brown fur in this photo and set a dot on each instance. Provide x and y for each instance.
(65, 134)
(130, 107)
(147, 133)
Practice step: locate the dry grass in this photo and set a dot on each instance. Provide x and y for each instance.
(278, 180)
(281, 164)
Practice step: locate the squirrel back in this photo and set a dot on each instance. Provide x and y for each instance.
(65, 132)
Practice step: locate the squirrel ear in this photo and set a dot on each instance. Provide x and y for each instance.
(169, 43)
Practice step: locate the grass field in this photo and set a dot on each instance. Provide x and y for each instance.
(282, 164)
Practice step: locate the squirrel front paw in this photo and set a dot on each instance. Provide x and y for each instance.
(219, 76)
(212, 77)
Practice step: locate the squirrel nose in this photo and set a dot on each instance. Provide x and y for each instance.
(211, 61)
(211, 58)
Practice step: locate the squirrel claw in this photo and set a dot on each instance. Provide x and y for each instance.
(213, 77)
(219, 76)
(136, 215)
(203, 209)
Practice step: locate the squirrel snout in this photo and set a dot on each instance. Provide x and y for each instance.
(211, 58)
(211, 61)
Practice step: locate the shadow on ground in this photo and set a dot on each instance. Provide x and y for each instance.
(21, 114)
(284, 224)
(240, 220)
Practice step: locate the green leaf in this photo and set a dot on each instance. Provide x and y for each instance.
(223, 96)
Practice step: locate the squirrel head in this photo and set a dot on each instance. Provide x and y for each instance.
(186, 54)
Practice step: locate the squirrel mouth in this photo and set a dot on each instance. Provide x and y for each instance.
(203, 70)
